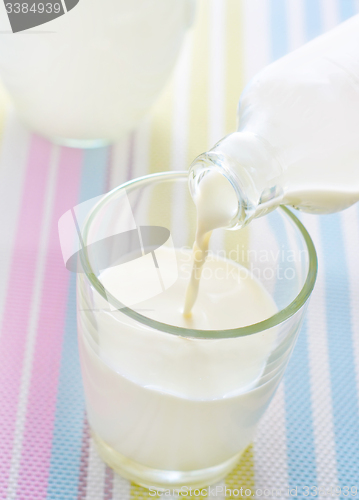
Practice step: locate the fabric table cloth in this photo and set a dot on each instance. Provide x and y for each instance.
(309, 436)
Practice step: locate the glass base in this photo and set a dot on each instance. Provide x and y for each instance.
(156, 478)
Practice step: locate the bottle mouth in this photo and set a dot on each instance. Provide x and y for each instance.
(221, 163)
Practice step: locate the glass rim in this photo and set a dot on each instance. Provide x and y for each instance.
(275, 320)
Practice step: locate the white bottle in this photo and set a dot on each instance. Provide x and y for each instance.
(298, 132)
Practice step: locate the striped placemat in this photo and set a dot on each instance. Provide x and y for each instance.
(309, 436)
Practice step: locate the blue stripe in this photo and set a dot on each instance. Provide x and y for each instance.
(278, 25)
(69, 419)
(341, 358)
(298, 410)
(313, 22)
(342, 369)
(299, 418)
(346, 9)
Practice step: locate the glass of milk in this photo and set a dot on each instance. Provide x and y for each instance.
(174, 401)
(88, 76)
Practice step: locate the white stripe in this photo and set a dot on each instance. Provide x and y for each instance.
(256, 36)
(180, 122)
(258, 266)
(216, 87)
(140, 165)
(329, 14)
(270, 447)
(221, 488)
(121, 488)
(141, 149)
(122, 151)
(320, 371)
(13, 155)
(295, 22)
(216, 76)
(179, 139)
(32, 326)
(119, 162)
(96, 472)
(4, 21)
(350, 221)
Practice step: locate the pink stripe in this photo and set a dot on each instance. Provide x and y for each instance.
(110, 168)
(19, 296)
(36, 451)
(108, 488)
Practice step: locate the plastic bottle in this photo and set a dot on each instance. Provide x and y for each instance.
(297, 142)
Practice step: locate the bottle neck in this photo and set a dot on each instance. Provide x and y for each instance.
(249, 164)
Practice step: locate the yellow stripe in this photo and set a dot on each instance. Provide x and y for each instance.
(4, 107)
(160, 155)
(243, 474)
(159, 161)
(199, 95)
(139, 493)
(161, 130)
(234, 61)
(234, 85)
(198, 121)
(160, 149)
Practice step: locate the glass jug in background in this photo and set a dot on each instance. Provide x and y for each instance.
(88, 76)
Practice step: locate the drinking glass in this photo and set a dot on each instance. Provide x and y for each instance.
(170, 406)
